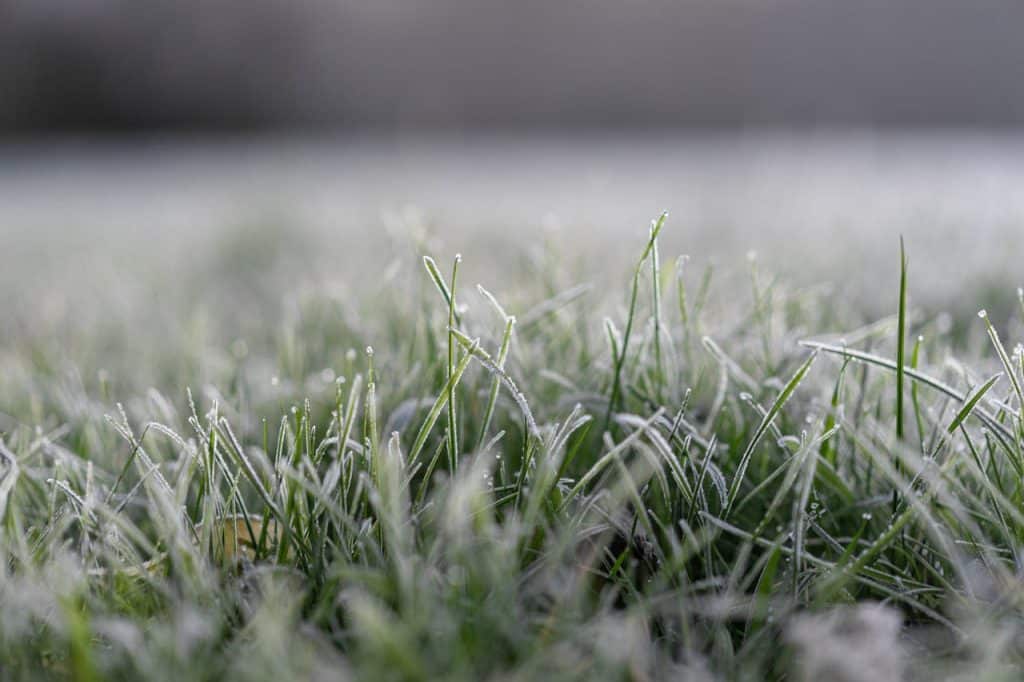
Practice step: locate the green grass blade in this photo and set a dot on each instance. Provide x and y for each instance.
(763, 427)
(1004, 358)
(901, 341)
(620, 360)
(439, 404)
(971, 402)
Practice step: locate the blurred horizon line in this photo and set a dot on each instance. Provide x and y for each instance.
(454, 134)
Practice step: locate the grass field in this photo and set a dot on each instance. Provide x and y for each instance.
(643, 467)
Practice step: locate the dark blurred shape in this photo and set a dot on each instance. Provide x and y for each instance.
(125, 65)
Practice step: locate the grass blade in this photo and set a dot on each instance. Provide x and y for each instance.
(620, 360)
(901, 341)
(762, 428)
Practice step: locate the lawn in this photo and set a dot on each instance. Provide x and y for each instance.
(528, 463)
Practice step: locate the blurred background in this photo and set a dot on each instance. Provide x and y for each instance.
(388, 65)
(811, 131)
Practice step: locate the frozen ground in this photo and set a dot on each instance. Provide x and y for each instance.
(818, 207)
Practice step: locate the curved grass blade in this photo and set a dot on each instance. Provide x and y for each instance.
(762, 429)
(998, 428)
(971, 402)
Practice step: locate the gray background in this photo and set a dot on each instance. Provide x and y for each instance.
(231, 65)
